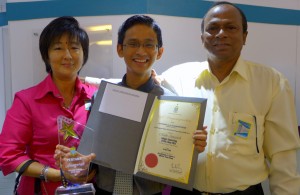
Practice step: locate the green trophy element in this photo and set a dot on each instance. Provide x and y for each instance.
(74, 167)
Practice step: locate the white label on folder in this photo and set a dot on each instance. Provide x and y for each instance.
(123, 102)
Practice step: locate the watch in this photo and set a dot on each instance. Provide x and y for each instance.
(43, 175)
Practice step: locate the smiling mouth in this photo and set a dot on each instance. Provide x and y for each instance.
(141, 61)
(68, 64)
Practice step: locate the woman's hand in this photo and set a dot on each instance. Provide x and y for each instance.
(74, 166)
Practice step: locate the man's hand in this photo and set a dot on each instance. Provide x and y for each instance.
(157, 79)
(82, 79)
(200, 137)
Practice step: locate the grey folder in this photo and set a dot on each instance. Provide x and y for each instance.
(116, 140)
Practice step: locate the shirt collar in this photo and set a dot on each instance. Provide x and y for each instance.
(47, 86)
(146, 87)
(240, 68)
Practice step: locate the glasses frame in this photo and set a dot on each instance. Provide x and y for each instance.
(136, 46)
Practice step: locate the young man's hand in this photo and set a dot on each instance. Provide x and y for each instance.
(200, 137)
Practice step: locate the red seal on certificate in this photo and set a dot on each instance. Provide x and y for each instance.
(151, 160)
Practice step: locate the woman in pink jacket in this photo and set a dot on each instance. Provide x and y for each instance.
(30, 129)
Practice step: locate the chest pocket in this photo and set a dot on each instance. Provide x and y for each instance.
(245, 132)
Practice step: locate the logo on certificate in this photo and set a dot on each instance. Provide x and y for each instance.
(151, 160)
(175, 109)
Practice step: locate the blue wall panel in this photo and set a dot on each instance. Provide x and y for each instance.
(183, 8)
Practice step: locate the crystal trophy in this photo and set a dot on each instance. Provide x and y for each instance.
(74, 166)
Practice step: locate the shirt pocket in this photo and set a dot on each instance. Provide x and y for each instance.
(244, 133)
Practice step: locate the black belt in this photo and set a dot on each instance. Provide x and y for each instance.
(252, 190)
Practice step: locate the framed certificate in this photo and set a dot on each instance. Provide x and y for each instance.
(146, 135)
(166, 153)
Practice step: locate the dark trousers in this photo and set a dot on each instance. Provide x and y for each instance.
(103, 192)
(252, 190)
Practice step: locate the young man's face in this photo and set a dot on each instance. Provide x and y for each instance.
(139, 50)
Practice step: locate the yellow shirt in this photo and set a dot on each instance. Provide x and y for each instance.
(250, 115)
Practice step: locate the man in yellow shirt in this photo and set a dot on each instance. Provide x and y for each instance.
(250, 114)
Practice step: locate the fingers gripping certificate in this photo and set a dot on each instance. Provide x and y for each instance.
(166, 150)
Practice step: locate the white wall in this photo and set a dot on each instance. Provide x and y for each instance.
(5, 74)
(2, 96)
(297, 72)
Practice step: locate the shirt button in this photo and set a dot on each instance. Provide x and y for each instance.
(209, 155)
(212, 131)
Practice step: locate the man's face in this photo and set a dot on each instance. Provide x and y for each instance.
(139, 49)
(223, 35)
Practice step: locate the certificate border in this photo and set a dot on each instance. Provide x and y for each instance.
(189, 185)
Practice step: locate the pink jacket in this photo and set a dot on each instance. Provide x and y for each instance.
(30, 128)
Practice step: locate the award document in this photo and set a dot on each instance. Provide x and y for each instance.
(166, 153)
(146, 135)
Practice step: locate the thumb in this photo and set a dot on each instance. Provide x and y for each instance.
(92, 156)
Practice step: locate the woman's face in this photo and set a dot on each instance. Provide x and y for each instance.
(65, 57)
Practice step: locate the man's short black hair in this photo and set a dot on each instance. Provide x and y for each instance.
(139, 19)
(244, 19)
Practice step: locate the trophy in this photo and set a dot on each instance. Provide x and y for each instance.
(74, 166)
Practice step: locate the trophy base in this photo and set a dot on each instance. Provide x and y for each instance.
(84, 189)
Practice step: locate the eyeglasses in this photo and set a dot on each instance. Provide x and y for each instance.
(147, 46)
